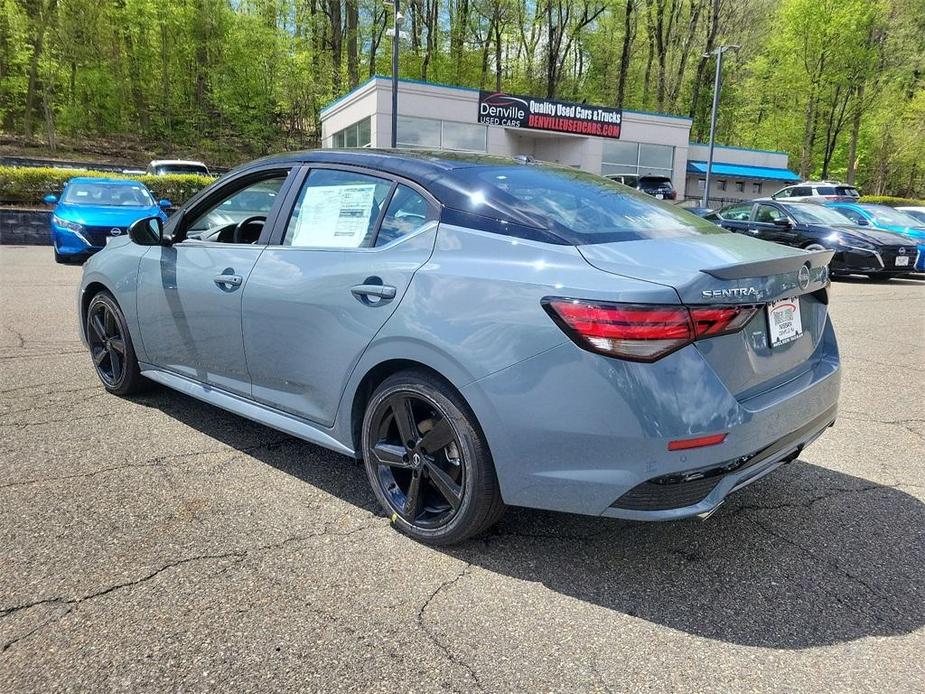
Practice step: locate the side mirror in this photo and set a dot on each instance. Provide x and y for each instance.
(148, 231)
(783, 223)
(164, 203)
(50, 199)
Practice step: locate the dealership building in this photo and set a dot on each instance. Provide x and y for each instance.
(593, 138)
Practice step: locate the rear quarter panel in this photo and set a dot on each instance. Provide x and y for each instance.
(475, 307)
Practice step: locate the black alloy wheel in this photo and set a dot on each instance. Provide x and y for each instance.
(111, 346)
(427, 463)
(107, 346)
(418, 460)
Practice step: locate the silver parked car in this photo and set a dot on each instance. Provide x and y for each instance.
(481, 332)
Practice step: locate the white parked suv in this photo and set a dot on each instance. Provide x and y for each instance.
(818, 191)
(162, 167)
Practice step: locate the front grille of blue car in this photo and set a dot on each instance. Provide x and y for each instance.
(97, 235)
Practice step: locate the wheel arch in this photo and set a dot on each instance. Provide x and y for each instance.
(86, 296)
(371, 380)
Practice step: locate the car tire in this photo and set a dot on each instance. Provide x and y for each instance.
(875, 277)
(439, 496)
(62, 259)
(111, 348)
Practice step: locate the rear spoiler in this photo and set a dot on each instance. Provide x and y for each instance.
(774, 266)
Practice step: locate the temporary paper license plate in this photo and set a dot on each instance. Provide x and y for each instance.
(902, 260)
(784, 321)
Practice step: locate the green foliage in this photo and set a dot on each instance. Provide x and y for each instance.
(28, 185)
(838, 84)
(892, 201)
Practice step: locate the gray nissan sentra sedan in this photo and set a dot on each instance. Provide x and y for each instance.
(481, 332)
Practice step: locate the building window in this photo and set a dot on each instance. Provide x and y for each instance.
(356, 135)
(740, 186)
(464, 136)
(441, 134)
(722, 185)
(701, 183)
(635, 158)
(756, 188)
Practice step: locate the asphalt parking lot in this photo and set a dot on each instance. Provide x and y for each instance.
(157, 543)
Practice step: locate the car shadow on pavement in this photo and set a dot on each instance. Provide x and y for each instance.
(805, 557)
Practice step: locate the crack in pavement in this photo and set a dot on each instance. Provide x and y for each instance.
(237, 556)
(53, 391)
(150, 462)
(52, 405)
(34, 355)
(444, 648)
(809, 503)
(853, 578)
(905, 423)
(55, 420)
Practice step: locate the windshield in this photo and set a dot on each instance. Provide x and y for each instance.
(887, 215)
(816, 214)
(107, 195)
(581, 207)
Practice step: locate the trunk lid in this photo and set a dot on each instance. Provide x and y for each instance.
(725, 269)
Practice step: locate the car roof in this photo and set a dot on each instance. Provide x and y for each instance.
(412, 163)
(107, 181)
(175, 162)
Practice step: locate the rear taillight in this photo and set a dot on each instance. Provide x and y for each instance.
(642, 332)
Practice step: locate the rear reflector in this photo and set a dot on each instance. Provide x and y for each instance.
(699, 442)
(642, 332)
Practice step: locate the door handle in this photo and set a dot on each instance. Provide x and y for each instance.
(381, 291)
(233, 280)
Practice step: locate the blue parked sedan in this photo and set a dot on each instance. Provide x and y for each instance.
(93, 210)
(481, 332)
(886, 218)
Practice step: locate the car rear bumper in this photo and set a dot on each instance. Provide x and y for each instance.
(576, 432)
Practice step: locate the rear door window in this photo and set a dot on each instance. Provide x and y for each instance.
(768, 214)
(847, 191)
(408, 211)
(737, 213)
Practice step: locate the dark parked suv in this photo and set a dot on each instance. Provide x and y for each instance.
(858, 250)
(657, 186)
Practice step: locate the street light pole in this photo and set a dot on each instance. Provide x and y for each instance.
(717, 85)
(396, 37)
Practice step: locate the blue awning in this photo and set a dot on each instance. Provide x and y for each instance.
(741, 171)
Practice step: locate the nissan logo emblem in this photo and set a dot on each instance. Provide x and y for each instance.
(803, 277)
(902, 251)
(115, 231)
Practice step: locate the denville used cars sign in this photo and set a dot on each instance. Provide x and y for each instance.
(497, 108)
